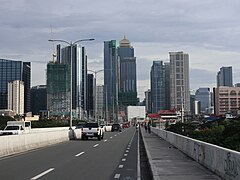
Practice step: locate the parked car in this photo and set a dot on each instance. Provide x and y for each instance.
(116, 127)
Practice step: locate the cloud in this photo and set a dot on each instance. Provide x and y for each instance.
(208, 30)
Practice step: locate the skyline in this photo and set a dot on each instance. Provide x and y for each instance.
(206, 30)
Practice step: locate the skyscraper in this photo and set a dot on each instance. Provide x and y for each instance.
(160, 86)
(11, 70)
(148, 101)
(100, 102)
(79, 74)
(224, 77)
(16, 96)
(203, 95)
(179, 81)
(111, 79)
(128, 81)
(90, 95)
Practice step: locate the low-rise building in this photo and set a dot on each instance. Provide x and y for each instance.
(227, 99)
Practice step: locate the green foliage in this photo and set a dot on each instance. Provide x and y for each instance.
(45, 123)
(224, 133)
(4, 120)
(231, 135)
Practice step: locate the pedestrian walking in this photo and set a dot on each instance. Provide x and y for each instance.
(149, 127)
(146, 128)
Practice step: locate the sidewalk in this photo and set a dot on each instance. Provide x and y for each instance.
(168, 163)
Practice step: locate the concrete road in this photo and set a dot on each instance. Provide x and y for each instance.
(114, 157)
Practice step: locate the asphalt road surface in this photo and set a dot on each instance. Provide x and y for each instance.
(114, 157)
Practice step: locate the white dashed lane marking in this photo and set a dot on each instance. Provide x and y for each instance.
(96, 145)
(42, 174)
(117, 176)
(120, 166)
(81, 153)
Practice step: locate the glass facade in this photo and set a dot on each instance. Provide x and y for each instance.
(128, 80)
(79, 73)
(204, 96)
(11, 70)
(160, 86)
(111, 75)
(38, 99)
(224, 77)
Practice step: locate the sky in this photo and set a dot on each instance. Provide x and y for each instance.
(208, 30)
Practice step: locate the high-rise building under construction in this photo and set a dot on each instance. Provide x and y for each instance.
(79, 80)
(58, 89)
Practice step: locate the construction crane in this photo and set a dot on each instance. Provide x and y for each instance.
(54, 55)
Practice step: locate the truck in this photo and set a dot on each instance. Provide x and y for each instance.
(92, 130)
(16, 127)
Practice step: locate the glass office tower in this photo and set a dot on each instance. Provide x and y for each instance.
(128, 80)
(11, 70)
(224, 77)
(79, 75)
(160, 95)
(111, 78)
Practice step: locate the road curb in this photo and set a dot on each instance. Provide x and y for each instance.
(149, 157)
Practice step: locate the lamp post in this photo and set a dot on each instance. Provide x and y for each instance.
(95, 84)
(70, 43)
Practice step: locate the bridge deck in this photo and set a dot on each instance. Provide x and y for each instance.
(169, 163)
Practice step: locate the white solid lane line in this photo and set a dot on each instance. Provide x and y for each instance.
(42, 174)
(96, 145)
(79, 154)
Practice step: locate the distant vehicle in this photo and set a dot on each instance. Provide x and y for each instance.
(92, 130)
(16, 127)
(116, 127)
(125, 125)
(80, 125)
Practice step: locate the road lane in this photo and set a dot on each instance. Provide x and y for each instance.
(70, 160)
(127, 168)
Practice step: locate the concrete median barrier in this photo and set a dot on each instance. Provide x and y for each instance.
(13, 144)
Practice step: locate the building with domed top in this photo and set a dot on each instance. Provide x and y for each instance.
(128, 81)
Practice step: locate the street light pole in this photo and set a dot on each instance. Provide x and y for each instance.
(71, 64)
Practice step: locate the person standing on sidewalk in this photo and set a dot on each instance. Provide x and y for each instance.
(149, 127)
(146, 128)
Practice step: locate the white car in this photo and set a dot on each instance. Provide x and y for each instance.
(92, 130)
(12, 129)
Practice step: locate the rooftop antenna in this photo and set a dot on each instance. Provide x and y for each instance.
(54, 55)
